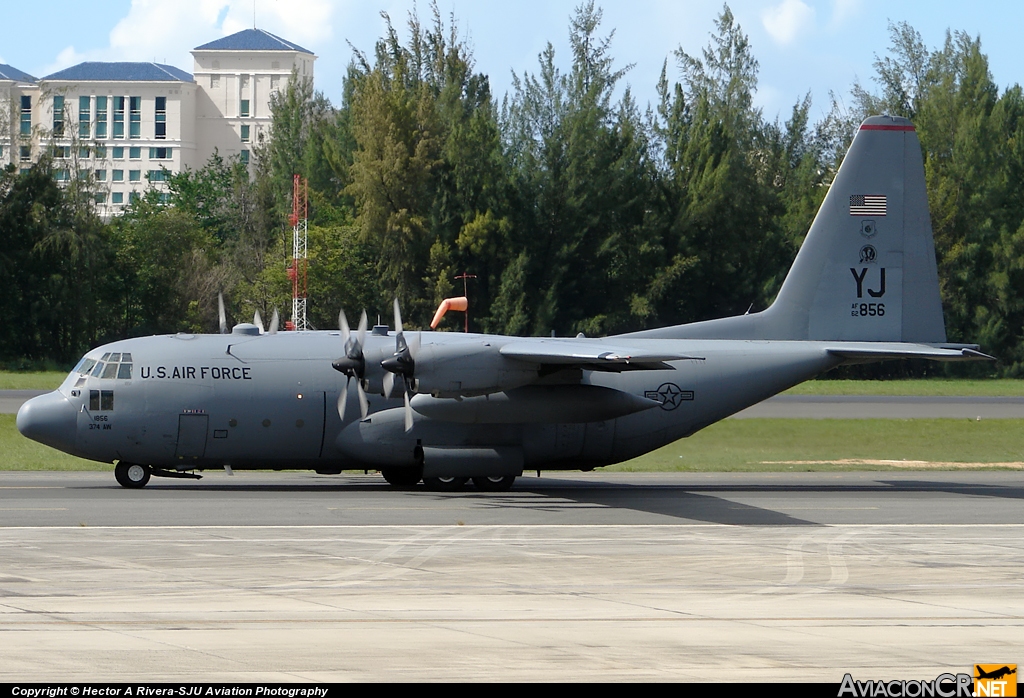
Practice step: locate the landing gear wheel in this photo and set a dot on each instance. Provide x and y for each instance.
(445, 484)
(402, 477)
(494, 483)
(131, 475)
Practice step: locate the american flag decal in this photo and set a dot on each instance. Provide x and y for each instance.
(867, 205)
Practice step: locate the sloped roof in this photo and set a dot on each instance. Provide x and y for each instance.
(9, 72)
(147, 72)
(251, 40)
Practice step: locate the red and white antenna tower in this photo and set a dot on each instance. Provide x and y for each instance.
(299, 266)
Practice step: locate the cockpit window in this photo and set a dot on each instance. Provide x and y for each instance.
(108, 366)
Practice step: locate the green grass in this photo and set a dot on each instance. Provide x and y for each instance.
(31, 380)
(19, 453)
(759, 444)
(730, 445)
(992, 387)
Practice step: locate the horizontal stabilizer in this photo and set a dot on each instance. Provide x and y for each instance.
(880, 351)
(596, 356)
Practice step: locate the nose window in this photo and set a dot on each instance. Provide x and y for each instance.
(101, 400)
(124, 371)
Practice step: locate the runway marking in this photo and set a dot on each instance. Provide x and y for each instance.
(33, 509)
(33, 487)
(413, 527)
(924, 464)
(859, 620)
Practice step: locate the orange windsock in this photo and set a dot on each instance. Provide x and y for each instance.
(460, 303)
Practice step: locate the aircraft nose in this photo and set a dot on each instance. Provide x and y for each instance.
(49, 419)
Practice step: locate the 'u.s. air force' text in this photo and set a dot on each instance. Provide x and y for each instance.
(236, 373)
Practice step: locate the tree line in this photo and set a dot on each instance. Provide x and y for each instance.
(577, 209)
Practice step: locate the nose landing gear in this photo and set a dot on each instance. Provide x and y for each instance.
(131, 475)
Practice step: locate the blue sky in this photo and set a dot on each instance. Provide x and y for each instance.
(816, 45)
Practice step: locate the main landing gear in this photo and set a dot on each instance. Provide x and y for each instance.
(410, 477)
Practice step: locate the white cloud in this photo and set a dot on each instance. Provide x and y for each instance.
(787, 20)
(165, 32)
(843, 10)
(66, 58)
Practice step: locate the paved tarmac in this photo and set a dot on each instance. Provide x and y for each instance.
(581, 577)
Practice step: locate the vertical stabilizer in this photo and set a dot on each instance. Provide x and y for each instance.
(866, 270)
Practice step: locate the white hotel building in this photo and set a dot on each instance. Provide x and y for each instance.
(125, 123)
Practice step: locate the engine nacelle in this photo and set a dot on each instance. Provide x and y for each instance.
(468, 368)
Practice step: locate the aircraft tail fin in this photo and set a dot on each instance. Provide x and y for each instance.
(866, 270)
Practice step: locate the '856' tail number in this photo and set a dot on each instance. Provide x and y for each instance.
(868, 310)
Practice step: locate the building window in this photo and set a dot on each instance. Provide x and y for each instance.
(61, 175)
(100, 198)
(100, 151)
(58, 115)
(134, 175)
(24, 170)
(275, 82)
(117, 197)
(157, 175)
(101, 117)
(118, 117)
(117, 175)
(135, 117)
(26, 115)
(118, 153)
(84, 117)
(160, 153)
(245, 133)
(83, 152)
(61, 152)
(101, 175)
(244, 110)
(133, 197)
(161, 117)
(135, 153)
(214, 81)
(25, 153)
(244, 157)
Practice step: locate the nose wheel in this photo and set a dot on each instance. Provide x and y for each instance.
(131, 475)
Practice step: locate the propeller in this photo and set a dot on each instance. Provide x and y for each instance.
(221, 314)
(352, 364)
(258, 321)
(275, 321)
(402, 363)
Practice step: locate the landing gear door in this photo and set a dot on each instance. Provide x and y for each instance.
(191, 436)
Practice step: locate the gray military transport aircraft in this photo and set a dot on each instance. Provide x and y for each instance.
(447, 407)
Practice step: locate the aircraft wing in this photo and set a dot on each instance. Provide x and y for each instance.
(874, 351)
(593, 356)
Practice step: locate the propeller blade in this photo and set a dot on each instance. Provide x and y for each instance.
(222, 316)
(408, 412)
(364, 404)
(342, 401)
(343, 326)
(361, 331)
(275, 321)
(389, 383)
(414, 345)
(258, 321)
(398, 319)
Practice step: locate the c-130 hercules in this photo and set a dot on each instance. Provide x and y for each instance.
(447, 407)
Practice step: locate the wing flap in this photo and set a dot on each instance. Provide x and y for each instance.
(596, 356)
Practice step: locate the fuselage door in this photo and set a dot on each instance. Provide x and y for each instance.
(192, 436)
